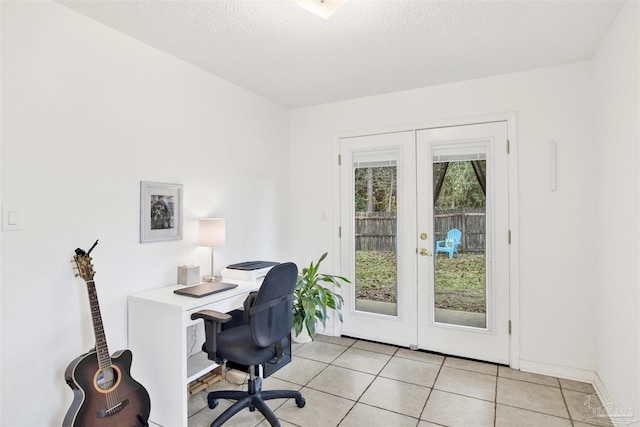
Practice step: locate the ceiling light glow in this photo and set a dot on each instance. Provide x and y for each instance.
(322, 8)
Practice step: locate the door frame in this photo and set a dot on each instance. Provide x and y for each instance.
(514, 217)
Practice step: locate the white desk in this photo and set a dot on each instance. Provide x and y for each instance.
(158, 322)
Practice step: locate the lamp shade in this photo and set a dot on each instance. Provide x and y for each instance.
(212, 232)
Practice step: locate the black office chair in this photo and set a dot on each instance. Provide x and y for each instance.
(259, 342)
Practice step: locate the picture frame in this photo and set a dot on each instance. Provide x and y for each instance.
(160, 211)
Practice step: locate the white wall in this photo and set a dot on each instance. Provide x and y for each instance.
(617, 71)
(88, 113)
(556, 248)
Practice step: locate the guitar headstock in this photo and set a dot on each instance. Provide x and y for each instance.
(85, 268)
(83, 263)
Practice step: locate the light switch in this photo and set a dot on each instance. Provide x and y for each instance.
(11, 219)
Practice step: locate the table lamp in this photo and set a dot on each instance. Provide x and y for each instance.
(212, 234)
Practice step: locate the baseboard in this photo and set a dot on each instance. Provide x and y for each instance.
(603, 394)
(557, 371)
(617, 414)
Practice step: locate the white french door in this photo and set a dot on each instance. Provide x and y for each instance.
(405, 290)
(463, 295)
(384, 166)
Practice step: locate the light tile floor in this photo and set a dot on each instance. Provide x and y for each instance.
(348, 383)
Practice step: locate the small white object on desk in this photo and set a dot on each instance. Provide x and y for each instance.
(188, 275)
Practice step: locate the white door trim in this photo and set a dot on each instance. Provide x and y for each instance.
(514, 249)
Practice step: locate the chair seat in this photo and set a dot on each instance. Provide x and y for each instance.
(237, 344)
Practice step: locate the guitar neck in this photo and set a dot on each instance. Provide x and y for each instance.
(104, 359)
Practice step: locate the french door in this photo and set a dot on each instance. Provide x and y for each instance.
(463, 290)
(405, 196)
(378, 209)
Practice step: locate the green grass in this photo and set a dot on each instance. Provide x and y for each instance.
(459, 282)
(376, 276)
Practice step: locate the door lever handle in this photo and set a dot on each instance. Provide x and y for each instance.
(425, 252)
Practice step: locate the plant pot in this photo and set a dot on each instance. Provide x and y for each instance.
(303, 337)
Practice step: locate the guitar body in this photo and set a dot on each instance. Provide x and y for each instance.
(124, 403)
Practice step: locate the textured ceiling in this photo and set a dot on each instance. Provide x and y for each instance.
(284, 53)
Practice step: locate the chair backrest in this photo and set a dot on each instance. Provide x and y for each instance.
(454, 235)
(271, 316)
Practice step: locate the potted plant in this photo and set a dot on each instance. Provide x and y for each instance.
(311, 300)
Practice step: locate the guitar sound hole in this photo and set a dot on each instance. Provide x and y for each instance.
(107, 379)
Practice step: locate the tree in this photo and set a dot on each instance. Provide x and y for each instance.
(461, 188)
(375, 189)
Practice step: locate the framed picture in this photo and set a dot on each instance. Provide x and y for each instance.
(160, 211)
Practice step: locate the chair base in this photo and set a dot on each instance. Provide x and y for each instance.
(254, 398)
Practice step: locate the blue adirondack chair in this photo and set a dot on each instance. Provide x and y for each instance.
(450, 244)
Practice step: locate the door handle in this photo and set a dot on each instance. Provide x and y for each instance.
(425, 252)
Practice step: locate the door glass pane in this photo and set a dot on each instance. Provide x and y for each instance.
(375, 200)
(460, 272)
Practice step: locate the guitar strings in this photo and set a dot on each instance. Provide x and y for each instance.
(104, 359)
(112, 396)
(109, 377)
(105, 365)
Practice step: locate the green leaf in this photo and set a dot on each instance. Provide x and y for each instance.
(312, 300)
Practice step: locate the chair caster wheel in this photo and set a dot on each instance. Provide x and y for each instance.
(301, 402)
(213, 402)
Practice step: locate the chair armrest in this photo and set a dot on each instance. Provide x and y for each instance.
(213, 321)
(212, 316)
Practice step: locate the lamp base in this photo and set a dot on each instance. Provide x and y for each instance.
(208, 279)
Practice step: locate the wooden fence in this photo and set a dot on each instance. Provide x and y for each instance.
(377, 231)
(470, 221)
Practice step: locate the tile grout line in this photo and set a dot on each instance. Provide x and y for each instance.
(559, 387)
(566, 406)
(495, 399)
(431, 390)
(367, 388)
(331, 364)
(395, 353)
(378, 375)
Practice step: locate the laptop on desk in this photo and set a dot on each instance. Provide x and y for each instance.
(199, 291)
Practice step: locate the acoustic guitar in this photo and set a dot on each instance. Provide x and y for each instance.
(104, 393)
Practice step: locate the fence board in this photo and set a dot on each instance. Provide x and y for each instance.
(377, 231)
